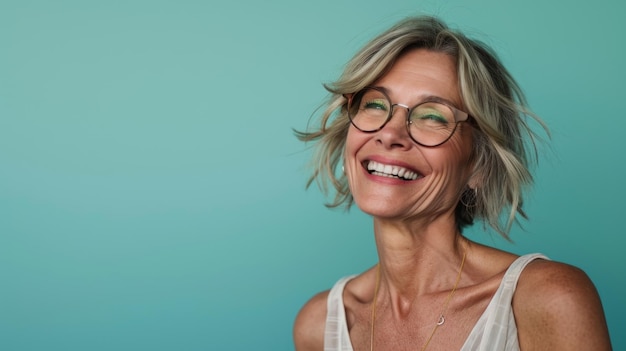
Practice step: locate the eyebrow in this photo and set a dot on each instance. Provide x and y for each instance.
(427, 98)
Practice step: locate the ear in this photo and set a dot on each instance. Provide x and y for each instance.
(473, 183)
(348, 98)
(476, 179)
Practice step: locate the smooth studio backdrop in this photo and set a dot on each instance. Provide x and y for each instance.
(152, 193)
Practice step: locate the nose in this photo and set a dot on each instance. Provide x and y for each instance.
(395, 133)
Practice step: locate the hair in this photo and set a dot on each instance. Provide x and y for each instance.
(504, 145)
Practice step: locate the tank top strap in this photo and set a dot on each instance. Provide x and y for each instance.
(496, 328)
(511, 277)
(335, 333)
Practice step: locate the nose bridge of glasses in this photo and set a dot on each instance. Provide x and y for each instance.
(393, 108)
(401, 121)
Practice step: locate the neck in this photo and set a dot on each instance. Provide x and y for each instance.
(417, 259)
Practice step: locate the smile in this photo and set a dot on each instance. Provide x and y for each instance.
(384, 170)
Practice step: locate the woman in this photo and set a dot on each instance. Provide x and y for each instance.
(428, 131)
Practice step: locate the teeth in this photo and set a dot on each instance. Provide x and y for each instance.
(380, 169)
(389, 170)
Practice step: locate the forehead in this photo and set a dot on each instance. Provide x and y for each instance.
(420, 73)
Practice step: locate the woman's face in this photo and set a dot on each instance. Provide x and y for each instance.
(442, 172)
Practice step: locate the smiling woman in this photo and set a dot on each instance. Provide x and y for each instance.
(432, 132)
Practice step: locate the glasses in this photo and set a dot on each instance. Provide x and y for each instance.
(429, 123)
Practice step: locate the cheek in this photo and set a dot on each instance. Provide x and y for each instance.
(354, 141)
(453, 158)
(462, 152)
(460, 145)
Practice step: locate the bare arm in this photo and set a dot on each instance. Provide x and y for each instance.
(557, 307)
(308, 330)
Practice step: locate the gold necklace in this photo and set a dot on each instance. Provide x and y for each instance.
(441, 319)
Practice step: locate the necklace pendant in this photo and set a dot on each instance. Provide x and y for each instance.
(441, 320)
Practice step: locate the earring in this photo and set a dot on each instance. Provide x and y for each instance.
(469, 197)
(343, 170)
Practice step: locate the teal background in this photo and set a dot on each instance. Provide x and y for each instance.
(152, 193)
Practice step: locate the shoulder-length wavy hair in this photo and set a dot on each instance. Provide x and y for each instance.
(502, 140)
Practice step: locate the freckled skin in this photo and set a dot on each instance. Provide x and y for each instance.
(556, 306)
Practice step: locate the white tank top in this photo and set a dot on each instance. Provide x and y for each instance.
(495, 330)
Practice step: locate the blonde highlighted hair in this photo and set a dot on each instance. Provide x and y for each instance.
(504, 145)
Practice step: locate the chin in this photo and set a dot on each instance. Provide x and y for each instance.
(380, 209)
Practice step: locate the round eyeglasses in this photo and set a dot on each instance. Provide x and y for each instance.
(429, 123)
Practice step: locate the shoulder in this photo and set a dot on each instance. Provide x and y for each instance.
(557, 307)
(310, 323)
(308, 330)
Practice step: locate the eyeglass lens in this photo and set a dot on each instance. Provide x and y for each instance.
(429, 123)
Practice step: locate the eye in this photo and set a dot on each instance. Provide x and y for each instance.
(432, 117)
(374, 105)
(432, 114)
